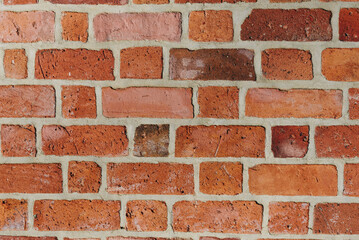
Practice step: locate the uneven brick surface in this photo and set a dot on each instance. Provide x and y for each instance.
(348, 24)
(84, 177)
(351, 180)
(14, 215)
(18, 141)
(78, 102)
(74, 26)
(92, 2)
(15, 63)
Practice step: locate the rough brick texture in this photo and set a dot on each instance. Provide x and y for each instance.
(18, 141)
(13, 215)
(84, 177)
(15, 63)
(74, 26)
(78, 102)
(348, 24)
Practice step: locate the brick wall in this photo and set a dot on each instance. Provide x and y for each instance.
(179, 119)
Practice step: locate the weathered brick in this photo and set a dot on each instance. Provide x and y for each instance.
(19, 2)
(150, 102)
(287, 25)
(290, 141)
(165, 26)
(221, 178)
(84, 177)
(336, 218)
(337, 141)
(141, 62)
(76, 215)
(26, 238)
(349, 24)
(81, 238)
(292, 180)
(74, 64)
(218, 102)
(351, 180)
(15, 63)
(27, 27)
(353, 103)
(287, 64)
(211, 26)
(78, 102)
(150, 178)
(144, 238)
(150, 1)
(214, 238)
(220, 141)
(147, 216)
(18, 140)
(74, 26)
(217, 216)
(13, 215)
(92, 2)
(151, 141)
(212, 64)
(31, 178)
(288, 218)
(27, 101)
(293, 103)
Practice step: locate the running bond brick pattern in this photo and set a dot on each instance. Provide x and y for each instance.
(179, 119)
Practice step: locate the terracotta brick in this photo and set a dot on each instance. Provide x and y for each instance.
(147, 216)
(290, 141)
(341, 64)
(13, 215)
(217, 216)
(287, 64)
(78, 102)
(150, 1)
(336, 218)
(150, 178)
(349, 24)
(76, 215)
(337, 141)
(18, 141)
(151, 141)
(27, 27)
(293, 180)
(74, 64)
(221, 178)
(293, 103)
(220, 141)
(354, 103)
(81, 238)
(211, 26)
(84, 177)
(214, 238)
(351, 180)
(27, 101)
(31, 178)
(287, 1)
(26, 238)
(92, 2)
(147, 102)
(74, 26)
(288, 218)
(141, 62)
(218, 102)
(165, 26)
(213, 1)
(15, 63)
(212, 64)
(86, 140)
(287, 25)
(19, 2)
(144, 238)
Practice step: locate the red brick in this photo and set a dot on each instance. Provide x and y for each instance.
(290, 141)
(13, 215)
(337, 141)
(147, 216)
(27, 27)
(18, 140)
(149, 102)
(217, 216)
(15, 63)
(286, 1)
(31, 178)
(87, 140)
(150, 1)
(81, 238)
(74, 64)
(19, 2)
(74, 26)
(165, 26)
(211, 26)
(287, 25)
(349, 24)
(218, 102)
(76, 215)
(84, 177)
(26, 238)
(221, 178)
(351, 180)
(22, 101)
(293, 180)
(92, 2)
(144, 238)
(336, 218)
(220, 141)
(214, 238)
(288, 218)
(150, 178)
(287, 64)
(213, 1)
(78, 102)
(341, 64)
(354, 103)
(293, 103)
(141, 62)
(212, 64)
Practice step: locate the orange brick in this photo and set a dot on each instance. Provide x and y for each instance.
(74, 26)
(15, 63)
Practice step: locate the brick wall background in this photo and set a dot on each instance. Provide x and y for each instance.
(179, 119)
